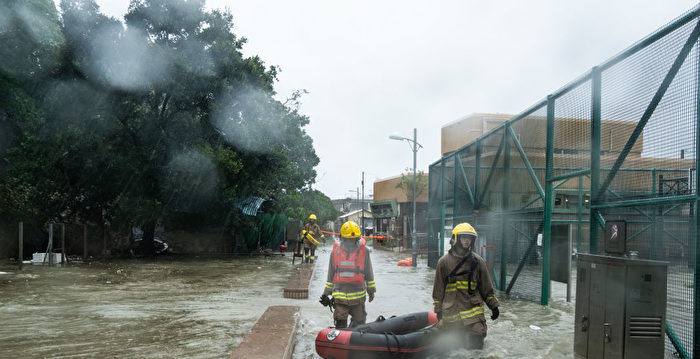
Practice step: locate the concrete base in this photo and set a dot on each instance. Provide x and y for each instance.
(298, 285)
(272, 336)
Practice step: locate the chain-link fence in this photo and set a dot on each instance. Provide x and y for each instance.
(618, 143)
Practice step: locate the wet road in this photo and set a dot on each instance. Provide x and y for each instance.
(135, 309)
(202, 308)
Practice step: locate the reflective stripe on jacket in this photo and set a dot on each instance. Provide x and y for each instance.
(350, 293)
(462, 298)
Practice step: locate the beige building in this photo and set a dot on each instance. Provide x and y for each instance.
(392, 208)
(571, 148)
(385, 189)
(467, 129)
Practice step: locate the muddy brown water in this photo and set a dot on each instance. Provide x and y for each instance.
(203, 307)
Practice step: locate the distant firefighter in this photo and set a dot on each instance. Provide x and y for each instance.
(310, 235)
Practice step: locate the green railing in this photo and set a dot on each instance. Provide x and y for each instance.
(619, 142)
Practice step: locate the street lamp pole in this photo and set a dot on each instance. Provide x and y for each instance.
(362, 207)
(414, 256)
(414, 148)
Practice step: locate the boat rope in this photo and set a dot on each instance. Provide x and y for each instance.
(388, 345)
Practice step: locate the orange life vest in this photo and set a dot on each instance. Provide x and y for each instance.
(349, 267)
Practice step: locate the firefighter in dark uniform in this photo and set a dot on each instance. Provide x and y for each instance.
(310, 235)
(462, 286)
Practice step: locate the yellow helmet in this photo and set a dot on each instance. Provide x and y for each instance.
(312, 216)
(350, 229)
(462, 228)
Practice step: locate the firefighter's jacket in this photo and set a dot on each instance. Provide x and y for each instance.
(462, 298)
(346, 293)
(313, 230)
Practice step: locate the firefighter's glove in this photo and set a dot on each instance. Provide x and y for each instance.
(439, 315)
(495, 313)
(325, 301)
(371, 297)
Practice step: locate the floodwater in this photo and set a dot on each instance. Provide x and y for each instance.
(203, 307)
(523, 330)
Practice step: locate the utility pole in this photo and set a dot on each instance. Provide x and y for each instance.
(413, 225)
(414, 148)
(362, 207)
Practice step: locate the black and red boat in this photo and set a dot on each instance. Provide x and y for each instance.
(406, 336)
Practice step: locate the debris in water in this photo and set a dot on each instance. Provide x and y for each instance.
(3, 273)
(534, 327)
(259, 267)
(108, 282)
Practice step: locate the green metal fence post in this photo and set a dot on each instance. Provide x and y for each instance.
(595, 158)
(675, 341)
(504, 206)
(654, 220)
(442, 207)
(548, 201)
(696, 236)
(455, 185)
(477, 176)
(579, 211)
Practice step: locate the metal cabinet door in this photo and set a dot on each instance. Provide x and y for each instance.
(614, 324)
(582, 319)
(596, 310)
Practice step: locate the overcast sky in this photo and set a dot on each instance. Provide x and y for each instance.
(377, 68)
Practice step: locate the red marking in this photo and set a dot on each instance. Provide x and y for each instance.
(340, 347)
(432, 318)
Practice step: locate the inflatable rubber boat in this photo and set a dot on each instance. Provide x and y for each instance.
(405, 336)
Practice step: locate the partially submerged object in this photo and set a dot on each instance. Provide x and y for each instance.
(405, 336)
(406, 262)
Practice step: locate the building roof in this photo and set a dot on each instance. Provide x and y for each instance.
(354, 213)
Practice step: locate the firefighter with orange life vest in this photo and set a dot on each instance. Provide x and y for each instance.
(462, 286)
(350, 277)
(310, 235)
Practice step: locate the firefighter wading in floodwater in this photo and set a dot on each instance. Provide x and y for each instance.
(350, 277)
(462, 286)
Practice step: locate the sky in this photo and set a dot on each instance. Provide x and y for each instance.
(378, 68)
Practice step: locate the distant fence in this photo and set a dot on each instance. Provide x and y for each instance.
(618, 143)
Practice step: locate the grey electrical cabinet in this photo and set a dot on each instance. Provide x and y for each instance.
(620, 308)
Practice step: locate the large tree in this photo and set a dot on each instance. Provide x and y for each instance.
(159, 118)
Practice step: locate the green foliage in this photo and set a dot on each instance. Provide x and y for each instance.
(160, 119)
(299, 205)
(30, 39)
(406, 184)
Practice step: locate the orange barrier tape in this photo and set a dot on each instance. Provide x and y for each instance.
(377, 237)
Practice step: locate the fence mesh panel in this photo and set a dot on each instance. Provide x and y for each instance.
(646, 161)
